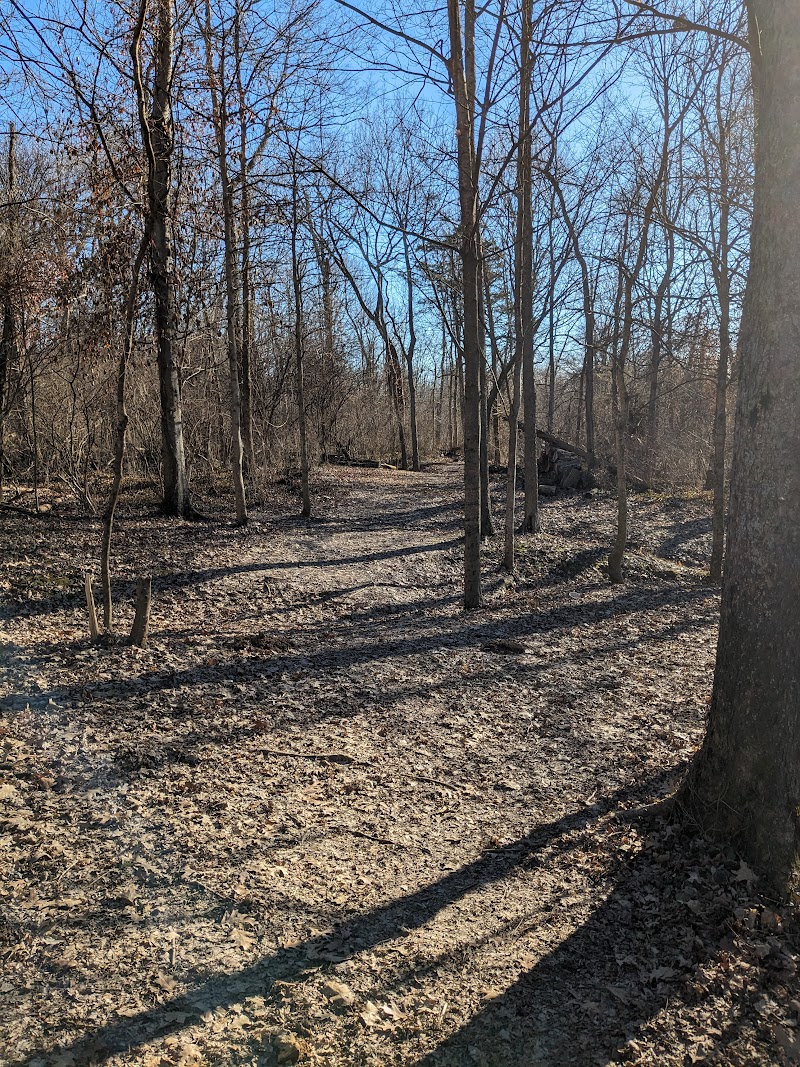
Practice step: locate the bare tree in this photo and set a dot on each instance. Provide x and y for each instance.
(217, 87)
(156, 126)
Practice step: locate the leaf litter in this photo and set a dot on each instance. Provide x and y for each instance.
(326, 817)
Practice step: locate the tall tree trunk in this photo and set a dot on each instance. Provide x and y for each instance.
(157, 135)
(297, 289)
(8, 338)
(439, 423)
(746, 781)
(588, 316)
(34, 419)
(219, 115)
(551, 334)
(620, 414)
(511, 480)
(525, 280)
(394, 379)
(8, 346)
(723, 285)
(628, 278)
(328, 351)
(245, 362)
(657, 334)
(493, 393)
(461, 51)
(487, 522)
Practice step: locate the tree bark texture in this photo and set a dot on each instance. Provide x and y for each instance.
(745, 783)
(157, 135)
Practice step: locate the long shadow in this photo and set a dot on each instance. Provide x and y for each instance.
(396, 641)
(405, 518)
(688, 530)
(585, 1001)
(360, 933)
(488, 674)
(180, 579)
(212, 573)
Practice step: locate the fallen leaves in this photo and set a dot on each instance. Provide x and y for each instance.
(381, 1017)
(339, 995)
(340, 780)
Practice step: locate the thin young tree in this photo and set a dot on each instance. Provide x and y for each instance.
(216, 70)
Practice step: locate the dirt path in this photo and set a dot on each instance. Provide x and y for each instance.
(326, 817)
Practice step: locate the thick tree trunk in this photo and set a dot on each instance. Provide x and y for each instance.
(157, 135)
(746, 781)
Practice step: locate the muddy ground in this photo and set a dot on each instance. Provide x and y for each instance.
(328, 818)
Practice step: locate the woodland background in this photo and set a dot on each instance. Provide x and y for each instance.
(300, 163)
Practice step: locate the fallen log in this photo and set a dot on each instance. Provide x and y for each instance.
(557, 442)
(565, 446)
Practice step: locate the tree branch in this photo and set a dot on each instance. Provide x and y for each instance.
(683, 25)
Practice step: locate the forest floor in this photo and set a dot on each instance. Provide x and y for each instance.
(326, 817)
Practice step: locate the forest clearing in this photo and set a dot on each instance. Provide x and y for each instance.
(327, 817)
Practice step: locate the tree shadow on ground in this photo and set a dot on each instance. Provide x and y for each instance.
(397, 639)
(392, 921)
(576, 564)
(682, 534)
(644, 950)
